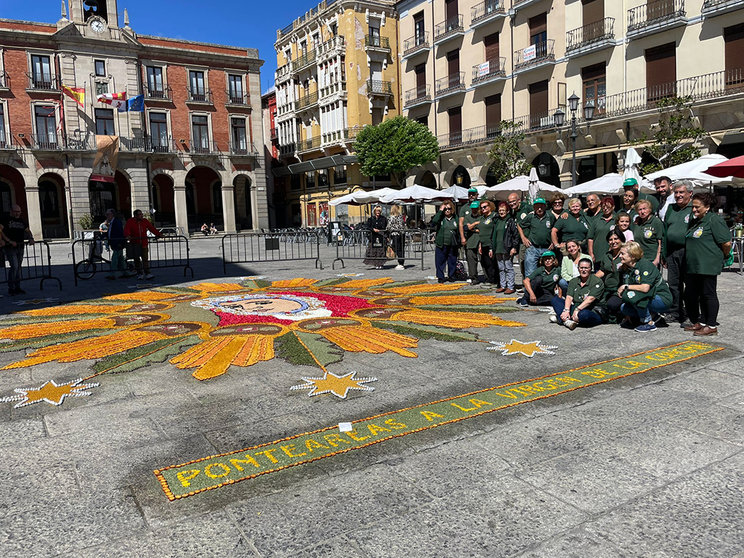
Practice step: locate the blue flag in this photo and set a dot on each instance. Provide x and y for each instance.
(134, 104)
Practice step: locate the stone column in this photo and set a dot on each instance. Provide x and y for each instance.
(228, 206)
(34, 211)
(179, 204)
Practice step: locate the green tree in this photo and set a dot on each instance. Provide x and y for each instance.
(675, 137)
(395, 147)
(507, 159)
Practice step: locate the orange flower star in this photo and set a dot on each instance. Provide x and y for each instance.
(337, 385)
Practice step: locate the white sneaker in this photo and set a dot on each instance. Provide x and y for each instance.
(553, 318)
(149, 276)
(399, 267)
(469, 281)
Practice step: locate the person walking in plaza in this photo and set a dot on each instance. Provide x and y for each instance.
(135, 231)
(648, 231)
(707, 249)
(485, 240)
(570, 264)
(14, 230)
(534, 232)
(396, 228)
(574, 227)
(469, 221)
(539, 286)
(446, 241)
(117, 242)
(583, 295)
(376, 227)
(598, 229)
(644, 293)
(610, 269)
(676, 221)
(505, 244)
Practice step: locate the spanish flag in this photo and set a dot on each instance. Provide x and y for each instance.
(75, 93)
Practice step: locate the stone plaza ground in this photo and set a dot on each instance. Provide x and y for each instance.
(606, 443)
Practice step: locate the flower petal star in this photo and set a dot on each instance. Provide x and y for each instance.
(337, 385)
(514, 347)
(51, 392)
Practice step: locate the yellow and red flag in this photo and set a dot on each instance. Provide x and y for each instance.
(75, 93)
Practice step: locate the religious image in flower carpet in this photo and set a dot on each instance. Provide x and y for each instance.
(208, 327)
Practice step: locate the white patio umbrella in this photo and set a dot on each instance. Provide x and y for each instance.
(518, 184)
(414, 194)
(362, 197)
(533, 187)
(610, 184)
(694, 171)
(631, 170)
(456, 192)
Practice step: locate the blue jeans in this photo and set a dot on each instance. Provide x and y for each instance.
(532, 259)
(563, 286)
(587, 318)
(446, 255)
(655, 306)
(14, 255)
(506, 270)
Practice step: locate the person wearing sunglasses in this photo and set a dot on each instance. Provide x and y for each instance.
(485, 240)
(446, 241)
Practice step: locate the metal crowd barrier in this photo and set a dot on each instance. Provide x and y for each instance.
(353, 245)
(92, 254)
(286, 245)
(36, 264)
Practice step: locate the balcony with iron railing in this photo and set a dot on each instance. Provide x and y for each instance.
(274, 134)
(417, 96)
(47, 142)
(534, 56)
(304, 61)
(335, 136)
(373, 42)
(154, 144)
(158, 93)
(486, 12)
(308, 144)
(6, 140)
(204, 147)
(308, 101)
(470, 136)
(244, 148)
(332, 88)
(652, 17)
(336, 45)
(199, 96)
(590, 38)
(285, 108)
(43, 83)
(238, 99)
(719, 7)
(488, 71)
(448, 29)
(4, 80)
(449, 85)
(287, 149)
(378, 87)
(283, 72)
(415, 45)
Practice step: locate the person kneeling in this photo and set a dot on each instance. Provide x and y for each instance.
(539, 286)
(582, 297)
(644, 292)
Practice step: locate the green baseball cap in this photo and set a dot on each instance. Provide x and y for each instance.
(474, 205)
(630, 183)
(548, 253)
(472, 190)
(539, 200)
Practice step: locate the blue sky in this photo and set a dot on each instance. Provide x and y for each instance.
(245, 23)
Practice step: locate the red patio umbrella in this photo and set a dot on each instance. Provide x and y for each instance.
(732, 167)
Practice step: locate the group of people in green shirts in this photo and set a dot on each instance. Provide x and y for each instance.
(612, 262)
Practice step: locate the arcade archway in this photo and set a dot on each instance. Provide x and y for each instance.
(53, 207)
(163, 200)
(203, 198)
(243, 206)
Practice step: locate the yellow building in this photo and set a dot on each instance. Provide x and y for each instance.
(336, 72)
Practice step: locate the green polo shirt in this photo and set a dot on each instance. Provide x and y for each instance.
(653, 199)
(645, 273)
(591, 218)
(648, 235)
(464, 211)
(598, 229)
(485, 230)
(499, 232)
(538, 230)
(703, 254)
(578, 292)
(522, 211)
(471, 237)
(612, 268)
(572, 228)
(676, 222)
(447, 229)
(549, 278)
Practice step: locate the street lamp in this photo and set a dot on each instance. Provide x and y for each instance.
(559, 118)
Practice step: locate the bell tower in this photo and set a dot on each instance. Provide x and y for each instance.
(82, 11)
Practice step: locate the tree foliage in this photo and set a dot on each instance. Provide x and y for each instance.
(675, 136)
(395, 147)
(507, 159)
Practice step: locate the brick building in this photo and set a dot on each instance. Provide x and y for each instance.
(192, 155)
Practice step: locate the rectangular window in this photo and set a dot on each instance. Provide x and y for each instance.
(197, 87)
(594, 80)
(235, 89)
(423, 120)
(155, 87)
(538, 30)
(491, 43)
(339, 175)
(493, 114)
(420, 72)
(539, 104)
(101, 87)
(453, 67)
(239, 140)
(46, 126)
(733, 38)
(661, 72)
(310, 179)
(200, 130)
(3, 139)
(41, 72)
(419, 29)
(105, 122)
(159, 131)
(454, 116)
(100, 68)
(374, 36)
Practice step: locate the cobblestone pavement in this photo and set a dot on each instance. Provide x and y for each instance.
(649, 465)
